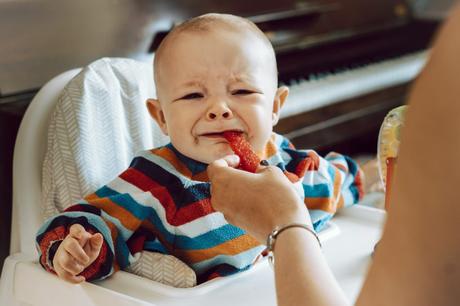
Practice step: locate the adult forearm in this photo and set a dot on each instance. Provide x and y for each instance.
(301, 272)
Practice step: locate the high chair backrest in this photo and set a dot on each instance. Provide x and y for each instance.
(80, 131)
(29, 152)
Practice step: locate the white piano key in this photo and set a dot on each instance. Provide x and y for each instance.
(315, 93)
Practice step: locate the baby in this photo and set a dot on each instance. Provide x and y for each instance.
(213, 74)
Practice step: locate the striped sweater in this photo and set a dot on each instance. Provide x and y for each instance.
(162, 203)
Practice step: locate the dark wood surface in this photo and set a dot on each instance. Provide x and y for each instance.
(331, 127)
(11, 114)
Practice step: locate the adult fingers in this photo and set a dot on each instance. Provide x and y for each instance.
(269, 170)
(217, 166)
(263, 165)
(73, 247)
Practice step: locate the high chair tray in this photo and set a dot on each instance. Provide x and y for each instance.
(348, 245)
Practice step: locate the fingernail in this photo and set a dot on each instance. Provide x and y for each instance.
(264, 162)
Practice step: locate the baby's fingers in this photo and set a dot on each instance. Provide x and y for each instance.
(93, 247)
(67, 276)
(78, 232)
(68, 263)
(76, 251)
(71, 265)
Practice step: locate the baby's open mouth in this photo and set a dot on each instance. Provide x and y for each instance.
(219, 134)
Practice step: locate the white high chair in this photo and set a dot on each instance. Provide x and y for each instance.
(348, 248)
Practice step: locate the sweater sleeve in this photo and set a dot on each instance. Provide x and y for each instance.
(329, 183)
(126, 212)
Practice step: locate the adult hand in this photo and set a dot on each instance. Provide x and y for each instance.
(255, 202)
(76, 252)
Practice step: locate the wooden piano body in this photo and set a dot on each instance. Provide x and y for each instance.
(347, 63)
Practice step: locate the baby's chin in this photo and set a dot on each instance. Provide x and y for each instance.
(213, 156)
(208, 155)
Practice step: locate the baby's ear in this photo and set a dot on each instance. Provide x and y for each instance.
(278, 102)
(155, 110)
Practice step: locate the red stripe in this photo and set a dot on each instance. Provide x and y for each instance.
(193, 211)
(359, 184)
(174, 216)
(213, 275)
(143, 182)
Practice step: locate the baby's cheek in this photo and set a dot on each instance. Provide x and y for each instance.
(261, 137)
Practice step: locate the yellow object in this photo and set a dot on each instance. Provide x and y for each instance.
(389, 139)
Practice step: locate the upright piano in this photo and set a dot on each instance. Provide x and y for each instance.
(347, 63)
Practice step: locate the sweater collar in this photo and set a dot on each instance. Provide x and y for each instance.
(194, 166)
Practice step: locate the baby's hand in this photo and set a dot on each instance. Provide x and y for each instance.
(76, 252)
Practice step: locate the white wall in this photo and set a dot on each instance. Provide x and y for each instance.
(42, 38)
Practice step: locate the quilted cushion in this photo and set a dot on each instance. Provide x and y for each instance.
(98, 125)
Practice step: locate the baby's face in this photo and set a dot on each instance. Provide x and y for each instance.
(213, 82)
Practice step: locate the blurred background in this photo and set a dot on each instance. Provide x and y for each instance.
(348, 62)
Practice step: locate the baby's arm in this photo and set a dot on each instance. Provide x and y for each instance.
(56, 231)
(330, 183)
(125, 215)
(76, 252)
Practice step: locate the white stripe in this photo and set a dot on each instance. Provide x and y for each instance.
(191, 229)
(313, 177)
(121, 186)
(202, 225)
(348, 198)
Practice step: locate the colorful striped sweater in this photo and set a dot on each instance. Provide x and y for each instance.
(162, 203)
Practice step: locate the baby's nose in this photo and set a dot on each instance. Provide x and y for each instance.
(219, 112)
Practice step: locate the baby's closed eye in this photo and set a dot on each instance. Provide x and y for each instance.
(192, 96)
(242, 92)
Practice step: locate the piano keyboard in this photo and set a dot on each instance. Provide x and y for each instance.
(306, 95)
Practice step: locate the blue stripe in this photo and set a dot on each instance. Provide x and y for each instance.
(122, 252)
(127, 202)
(105, 191)
(155, 246)
(355, 192)
(209, 239)
(319, 218)
(296, 158)
(239, 261)
(352, 166)
(317, 191)
(284, 143)
(139, 211)
(281, 166)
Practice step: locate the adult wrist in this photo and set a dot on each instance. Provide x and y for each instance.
(278, 230)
